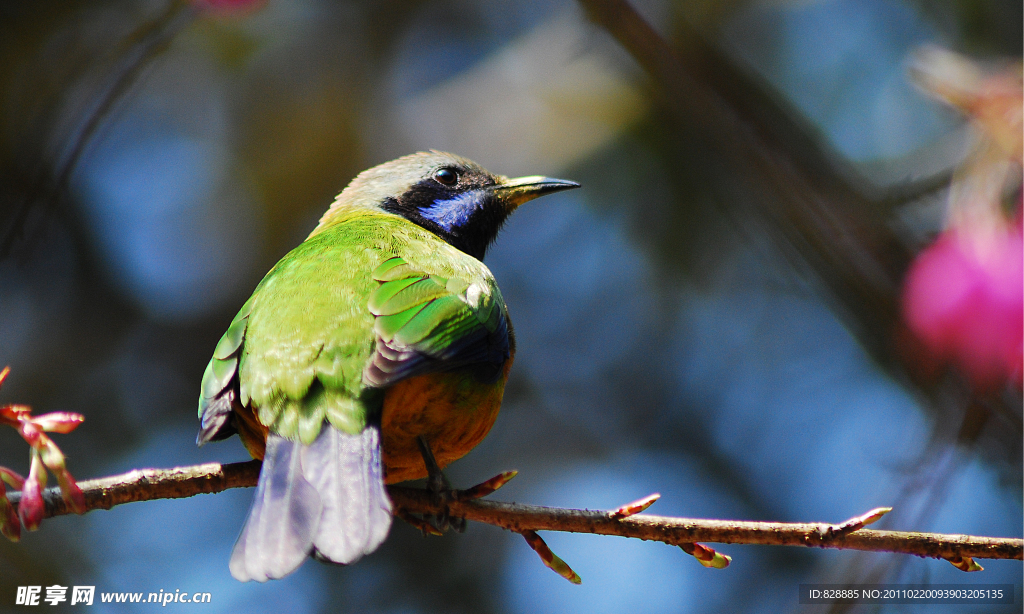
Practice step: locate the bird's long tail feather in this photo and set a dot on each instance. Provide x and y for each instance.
(328, 497)
(346, 471)
(284, 517)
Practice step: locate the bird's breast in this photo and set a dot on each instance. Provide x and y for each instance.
(453, 410)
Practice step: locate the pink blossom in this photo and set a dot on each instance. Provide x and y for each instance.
(964, 298)
(45, 455)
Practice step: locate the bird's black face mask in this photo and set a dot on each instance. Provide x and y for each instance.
(460, 205)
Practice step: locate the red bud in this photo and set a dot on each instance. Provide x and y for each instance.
(50, 454)
(11, 478)
(69, 490)
(31, 506)
(59, 421)
(30, 433)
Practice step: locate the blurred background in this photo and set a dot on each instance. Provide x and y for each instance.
(715, 316)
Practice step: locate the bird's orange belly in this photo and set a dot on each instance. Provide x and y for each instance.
(451, 410)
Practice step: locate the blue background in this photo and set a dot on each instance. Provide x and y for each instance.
(668, 340)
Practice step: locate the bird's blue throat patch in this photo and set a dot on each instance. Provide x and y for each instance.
(455, 212)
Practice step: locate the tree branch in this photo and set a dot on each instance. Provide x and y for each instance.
(819, 206)
(180, 482)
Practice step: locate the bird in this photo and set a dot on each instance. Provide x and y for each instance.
(378, 346)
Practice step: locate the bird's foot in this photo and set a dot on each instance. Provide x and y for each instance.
(441, 493)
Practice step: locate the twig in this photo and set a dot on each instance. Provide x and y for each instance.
(813, 200)
(180, 482)
(140, 48)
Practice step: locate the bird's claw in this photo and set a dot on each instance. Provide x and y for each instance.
(441, 493)
(443, 520)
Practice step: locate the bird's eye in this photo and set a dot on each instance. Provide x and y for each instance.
(446, 176)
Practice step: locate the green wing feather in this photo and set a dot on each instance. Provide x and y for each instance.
(361, 304)
(427, 322)
(218, 387)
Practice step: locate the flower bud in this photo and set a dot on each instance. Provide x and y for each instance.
(58, 421)
(31, 506)
(70, 491)
(966, 304)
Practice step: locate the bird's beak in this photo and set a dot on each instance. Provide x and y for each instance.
(514, 192)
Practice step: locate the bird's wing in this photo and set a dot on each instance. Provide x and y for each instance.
(428, 322)
(220, 382)
(295, 354)
(308, 338)
(296, 350)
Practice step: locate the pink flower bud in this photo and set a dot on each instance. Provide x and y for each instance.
(31, 506)
(50, 454)
(964, 298)
(30, 433)
(69, 490)
(58, 421)
(13, 415)
(11, 478)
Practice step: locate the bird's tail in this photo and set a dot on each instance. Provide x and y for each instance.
(327, 497)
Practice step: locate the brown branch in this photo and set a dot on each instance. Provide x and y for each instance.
(180, 482)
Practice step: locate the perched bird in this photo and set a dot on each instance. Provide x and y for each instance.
(381, 333)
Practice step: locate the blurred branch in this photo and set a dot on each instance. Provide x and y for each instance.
(806, 192)
(135, 54)
(824, 216)
(180, 482)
